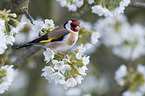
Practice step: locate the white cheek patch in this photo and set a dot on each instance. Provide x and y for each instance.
(69, 21)
(68, 25)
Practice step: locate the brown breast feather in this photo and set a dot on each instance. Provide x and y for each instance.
(71, 39)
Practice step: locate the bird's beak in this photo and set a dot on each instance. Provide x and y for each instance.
(77, 28)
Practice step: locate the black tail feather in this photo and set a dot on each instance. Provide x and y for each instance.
(36, 41)
(26, 45)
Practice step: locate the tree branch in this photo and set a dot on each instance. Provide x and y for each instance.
(29, 16)
(137, 5)
(19, 6)
(29, 52)
(81, 11)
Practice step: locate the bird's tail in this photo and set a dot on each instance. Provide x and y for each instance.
(26, 45)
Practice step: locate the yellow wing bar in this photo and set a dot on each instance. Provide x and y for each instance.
(49, 40)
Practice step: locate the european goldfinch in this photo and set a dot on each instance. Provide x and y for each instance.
(62, 38)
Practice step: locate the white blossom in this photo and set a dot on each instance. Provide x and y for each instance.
(127, 93)
(66, 60)
(141, 69)
(135, 39)
(65, 67)
(5, 40)
(124, 39)
(38, 24)
(82, 70)
(112, 36)
(50, 79)
(81, 51)
(98, 9)
(86, 25)
(62, 2)
(49, 54)
(20, 38)
(86, 60)
(88, 46)
(79, 3)
(72, 5)
(28, 35)
(55, 73)
(48, 71)
(90, 1)
(48, 24)
(57, 77)
(2, 48)
(121, 7)
(10, 39)
(94, 37)
(62, 81)
(18, 28)
(141, 88)
(79, 79)
(120, 73)
(2, 24)
(8, 79)
(71, 82)
(58, 65)
(3, 45)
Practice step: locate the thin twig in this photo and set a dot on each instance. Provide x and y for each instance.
(29, 16)
(137, 5)
(19, 6)
(81, 11)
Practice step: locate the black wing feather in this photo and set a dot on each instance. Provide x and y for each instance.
(44, 37)
(61, 38)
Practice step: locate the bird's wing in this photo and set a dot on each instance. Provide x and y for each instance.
(36, 41)
(55, 35)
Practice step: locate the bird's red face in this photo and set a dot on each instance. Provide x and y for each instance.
(75, 26)
(72, 26)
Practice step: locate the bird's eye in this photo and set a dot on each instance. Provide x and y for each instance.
(75, 26)
(72, 25)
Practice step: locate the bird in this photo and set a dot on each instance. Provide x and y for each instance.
(61, 38)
